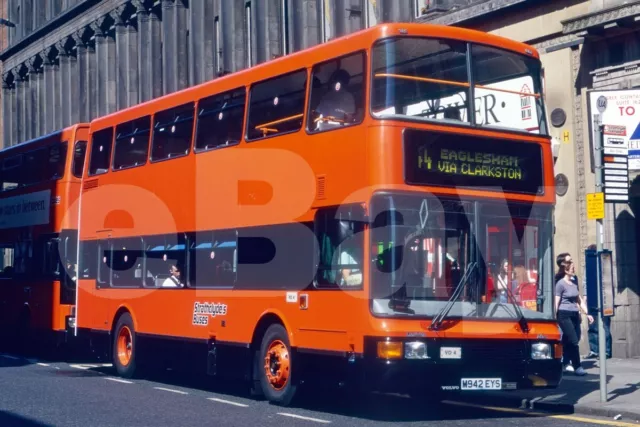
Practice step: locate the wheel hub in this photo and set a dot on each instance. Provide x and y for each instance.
(277, 365)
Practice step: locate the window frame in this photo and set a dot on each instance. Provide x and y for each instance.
(93, 137)
(245, 118)
(150, 158)
(210, 236)
(21, 162)
(248, 108)
(112, 245)
(84, 158)
(18, 165)
(180, 239)
(365, 91)
(115, 143)
(471, 122)
(348, 209)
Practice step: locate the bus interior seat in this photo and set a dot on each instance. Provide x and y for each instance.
(160, 278)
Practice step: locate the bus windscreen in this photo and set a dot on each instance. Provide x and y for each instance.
(443, 159)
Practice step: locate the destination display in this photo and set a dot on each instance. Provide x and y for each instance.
(442, 159)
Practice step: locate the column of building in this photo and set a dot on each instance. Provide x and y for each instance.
(7, 119)
(127, 55)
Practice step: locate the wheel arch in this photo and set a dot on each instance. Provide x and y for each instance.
(114, 321)
(267, 319)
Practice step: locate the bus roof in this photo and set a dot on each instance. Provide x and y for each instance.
(305, 58)
(36, 142)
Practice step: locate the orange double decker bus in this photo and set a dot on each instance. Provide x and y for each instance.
(39, 194)
(377, 209)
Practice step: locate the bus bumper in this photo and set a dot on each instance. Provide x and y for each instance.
(492, 365)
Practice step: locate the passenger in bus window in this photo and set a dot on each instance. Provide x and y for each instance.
(173, 281)
(337, 106)
(502, 281)
(348, 250)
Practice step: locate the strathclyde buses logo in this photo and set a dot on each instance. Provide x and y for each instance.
(202, 311)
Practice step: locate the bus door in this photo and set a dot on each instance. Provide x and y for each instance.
(513, 242)
(8, 294)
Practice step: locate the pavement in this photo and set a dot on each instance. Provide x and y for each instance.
(581, 395)
(41, 393)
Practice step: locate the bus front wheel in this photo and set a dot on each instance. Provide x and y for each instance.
(275, 366)
(124, 347)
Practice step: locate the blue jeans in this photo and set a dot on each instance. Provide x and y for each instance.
(593, 333)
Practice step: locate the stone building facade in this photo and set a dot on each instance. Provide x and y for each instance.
(73, 60)
(584, 45)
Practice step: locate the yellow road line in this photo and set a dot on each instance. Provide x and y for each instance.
(541, 414)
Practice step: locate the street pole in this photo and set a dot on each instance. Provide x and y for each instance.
(602, 353)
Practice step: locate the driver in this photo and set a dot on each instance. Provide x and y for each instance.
(338, 103)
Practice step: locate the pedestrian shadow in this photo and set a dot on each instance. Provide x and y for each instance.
(619, 392)
(14, 420)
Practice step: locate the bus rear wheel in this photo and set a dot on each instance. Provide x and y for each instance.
(276, 367)
(124, 347)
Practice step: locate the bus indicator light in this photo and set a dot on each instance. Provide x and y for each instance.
(390, 350)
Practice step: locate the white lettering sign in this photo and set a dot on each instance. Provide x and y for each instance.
(509, 104)
(25, 210)
(619, 111)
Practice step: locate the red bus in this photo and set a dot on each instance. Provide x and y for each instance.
(339, 213)
(39, 193)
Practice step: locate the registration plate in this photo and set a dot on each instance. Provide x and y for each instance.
(481, 384)
(450, 352)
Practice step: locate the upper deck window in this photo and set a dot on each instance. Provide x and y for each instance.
(508, 89)
(101, 151)
(172, 132)
(12, 176)
(33, 167)
(413, 76)
(45, 164)
(337, 93)
(428, 79)
(277, 106)
(220, 120)
(132, 143)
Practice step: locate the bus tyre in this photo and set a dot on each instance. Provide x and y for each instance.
(276, 367)
(124, 347)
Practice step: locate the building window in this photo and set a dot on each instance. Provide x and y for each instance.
(172, 132)
(132, 143)
(79, 153)
(220, 119)
(277, 106)
(100, 151)
(337, 93)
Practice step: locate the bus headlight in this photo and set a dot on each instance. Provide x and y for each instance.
(71, 322)
(541, 351)
(415, 350)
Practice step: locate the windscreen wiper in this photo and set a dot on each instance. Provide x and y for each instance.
(522, 321)
(437, 321)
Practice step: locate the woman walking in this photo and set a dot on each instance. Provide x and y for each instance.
(568, 305)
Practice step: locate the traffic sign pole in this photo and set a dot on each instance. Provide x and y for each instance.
(599, 228)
